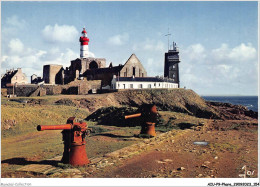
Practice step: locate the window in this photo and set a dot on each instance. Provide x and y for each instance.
(154, 84)
(149, 86)
(140, 86)
(15, 77)
(131, 86)
(118, 85)
(133, 71)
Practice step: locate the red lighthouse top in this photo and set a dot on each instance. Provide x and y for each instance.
(84, 39)
(84, 31)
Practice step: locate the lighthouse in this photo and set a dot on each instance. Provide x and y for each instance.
(84, 53)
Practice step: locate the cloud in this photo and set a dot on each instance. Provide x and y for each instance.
(156, 46)
(32, 60)
(239, 53)
(11, 26)
(195, 53)
(16, 46)
(151, 53)
(243, 52)
(119, 39)
(150, 45)
(60, 33)
(14, 21)
(230, 69)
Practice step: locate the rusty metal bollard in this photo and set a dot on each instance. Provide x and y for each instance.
(149, 114)
(73, 136)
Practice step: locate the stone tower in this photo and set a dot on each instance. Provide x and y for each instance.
(171, 64)
(52, 74)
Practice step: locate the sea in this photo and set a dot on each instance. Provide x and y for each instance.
(251, 102)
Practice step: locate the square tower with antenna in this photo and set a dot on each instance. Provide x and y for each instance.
(171, 64)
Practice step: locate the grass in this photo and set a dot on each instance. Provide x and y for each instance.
(178, 121)
(25, 117)
(22, 144)
(224, 147)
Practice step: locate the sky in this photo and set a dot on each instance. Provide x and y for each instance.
(218, 41)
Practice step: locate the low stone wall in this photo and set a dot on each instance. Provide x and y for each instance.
(53, 89)
(81, 87)
(78, 87)
(22, 90)
(38, 92)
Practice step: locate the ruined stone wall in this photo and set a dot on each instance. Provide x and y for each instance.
(133, 67)
(52, 74)
(105, 78)
(81, 87)
(89, 63)
(81, 65)
(31, 90)
(22, 90)
(53, 89)
(40, 91)
(74, 69)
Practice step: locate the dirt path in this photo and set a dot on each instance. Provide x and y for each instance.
(175, 155)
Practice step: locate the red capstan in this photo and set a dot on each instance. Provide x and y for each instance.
(84, 39)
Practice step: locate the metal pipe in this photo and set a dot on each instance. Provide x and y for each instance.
(133, 116)
(54, 127)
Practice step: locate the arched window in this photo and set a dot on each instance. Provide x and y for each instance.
(93, 65)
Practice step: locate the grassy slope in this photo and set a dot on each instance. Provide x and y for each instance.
(24, 144)
(27, 116)
(24, 132)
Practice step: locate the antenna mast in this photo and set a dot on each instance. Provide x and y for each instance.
(168, 37)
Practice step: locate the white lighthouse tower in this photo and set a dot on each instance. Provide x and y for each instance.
(84, 53)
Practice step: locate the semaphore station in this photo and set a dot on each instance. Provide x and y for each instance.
(91, 75)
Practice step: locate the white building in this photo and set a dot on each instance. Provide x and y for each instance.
(142, 83)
